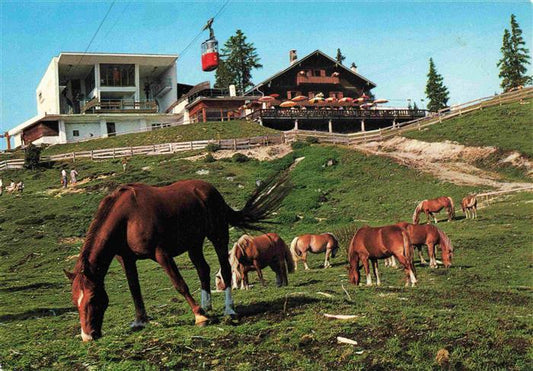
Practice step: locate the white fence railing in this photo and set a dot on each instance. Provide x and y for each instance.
(155, 149)
(487, 196)
(418, 124)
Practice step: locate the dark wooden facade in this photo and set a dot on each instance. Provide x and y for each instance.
(214, 109)
(41, 129)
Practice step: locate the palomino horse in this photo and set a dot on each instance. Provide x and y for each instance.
(469, 206)
(138, 221)
(434, 206)
(314, 243)
(380, 243)
(255, 253)
(430, 236)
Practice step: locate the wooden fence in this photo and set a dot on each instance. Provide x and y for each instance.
(418, 124)
(155, 149)
(485, 198)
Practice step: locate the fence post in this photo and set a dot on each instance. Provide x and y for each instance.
(170, 147)
(234, 144)
(380, 135)
(192, 145)
(131, 151)
(113, 153)
(153, 147)
(92, 154)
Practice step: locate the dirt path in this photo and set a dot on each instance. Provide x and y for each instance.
(259, 153)
(447, 161)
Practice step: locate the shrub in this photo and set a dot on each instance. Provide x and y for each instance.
(209, 158)
(311, 140)
(239, 157)
(212, 147)
(299, 145)
(32, 156)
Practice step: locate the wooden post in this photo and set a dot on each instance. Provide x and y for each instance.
(380, 134)
(131, 151)
(113, 153)
(92, 155)
(8, 141)
(363, 125)
(170, 147)
(296, 124)
(192, 145)
(234, 144)
(73, 156)
(330, 126)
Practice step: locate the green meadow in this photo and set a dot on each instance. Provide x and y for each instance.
(479, 310)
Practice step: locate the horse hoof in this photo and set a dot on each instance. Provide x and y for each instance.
(137, 325)
(201, 320)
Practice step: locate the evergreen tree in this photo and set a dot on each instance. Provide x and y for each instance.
(409, 105)
(32, 156)
(239, 58)
(415, 107)
(436, 92)
(223, 77)
(340, 58)
(514, 59)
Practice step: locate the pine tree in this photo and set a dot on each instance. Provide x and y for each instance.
(223, 77)
(514, 59)
(436, 92)
(340, 58)
(415, 107)
(239, 58)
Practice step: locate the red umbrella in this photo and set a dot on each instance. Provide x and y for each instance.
(331, 100)
(288, 104)
(274, 95)
(364, 96)
(267, 98)
(380, 101)
(346, 100)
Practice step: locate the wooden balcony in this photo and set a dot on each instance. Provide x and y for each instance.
(316, 80)
(119, 106)
(332, 114)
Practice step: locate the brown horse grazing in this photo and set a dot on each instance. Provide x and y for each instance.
(434, 206)
(380, 243)
(138, 221)
(430, 236)
(314, 243)
(469, 206)
(255, 253)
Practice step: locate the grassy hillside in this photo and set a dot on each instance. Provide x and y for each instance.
(479, 310)
(508, 127)
(183, 133)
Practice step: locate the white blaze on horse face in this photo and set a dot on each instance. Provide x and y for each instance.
(80, 298)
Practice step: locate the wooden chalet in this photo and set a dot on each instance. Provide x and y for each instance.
(319, 75)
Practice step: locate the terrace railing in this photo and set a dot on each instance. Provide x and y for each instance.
(321, 113)
(119, 106)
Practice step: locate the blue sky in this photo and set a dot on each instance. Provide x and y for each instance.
(390, 42)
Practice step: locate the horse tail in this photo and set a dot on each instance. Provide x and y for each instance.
(266, 199)
(417, 212)
(408, 250)
(288, 256)
(452, 207)
(295, 253)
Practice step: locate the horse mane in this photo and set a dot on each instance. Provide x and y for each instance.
(452, 206)
(417, 211)
(104, 208)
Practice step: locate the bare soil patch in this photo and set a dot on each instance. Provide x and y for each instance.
(259, 153)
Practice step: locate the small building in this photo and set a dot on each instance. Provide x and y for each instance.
(319, 75)
(84, 95)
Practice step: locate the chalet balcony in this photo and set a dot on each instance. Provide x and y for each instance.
(317, 80)
(119, 106)
(332, 114)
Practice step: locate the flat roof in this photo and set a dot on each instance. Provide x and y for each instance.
(75, 58)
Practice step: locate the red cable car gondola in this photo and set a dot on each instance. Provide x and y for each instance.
(210, 49)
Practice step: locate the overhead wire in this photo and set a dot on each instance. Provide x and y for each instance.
(201, 32)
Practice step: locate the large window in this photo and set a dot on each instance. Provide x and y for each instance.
(117, 75)
(89, 82)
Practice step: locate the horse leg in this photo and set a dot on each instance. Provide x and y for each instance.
(220, 243)
(431, 253)
(421, 256)
(326, 260)
(427, 216)
(375, 269)
(259, 272)
(130, 268)
(475, 212)
(408, 269)
(197, 258)
(435, 218)
(353, 269)
(366, 266)
(169, 265)
(304, 259)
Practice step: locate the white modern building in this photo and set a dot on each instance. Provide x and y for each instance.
(84, 95)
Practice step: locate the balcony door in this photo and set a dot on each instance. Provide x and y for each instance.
(111, 130)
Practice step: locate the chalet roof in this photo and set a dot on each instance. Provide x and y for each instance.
(308, 56)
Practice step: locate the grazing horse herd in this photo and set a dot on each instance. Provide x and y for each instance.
(139, 221)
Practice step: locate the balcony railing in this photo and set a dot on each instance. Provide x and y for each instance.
(316, 79)
(118, 106)
(320, 113)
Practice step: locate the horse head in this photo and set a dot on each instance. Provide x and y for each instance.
(91, 300)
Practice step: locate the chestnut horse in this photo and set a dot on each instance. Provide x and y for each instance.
(469, 206)
(380, 243)
(434, 206)
(314, 243)
(430, 236)
(138, 221)
(255, 253)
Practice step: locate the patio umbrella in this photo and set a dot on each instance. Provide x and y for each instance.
(346, 100)
(316, 100)
(288, 104)
(364, 96)
(331, 100)
(299, 98)
(377, 101)
(366, 105)
(274, 95)
(267, 98)
(359, 100)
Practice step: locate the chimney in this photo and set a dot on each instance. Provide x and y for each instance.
(292, 56)
(353, 67)
(232, 91)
